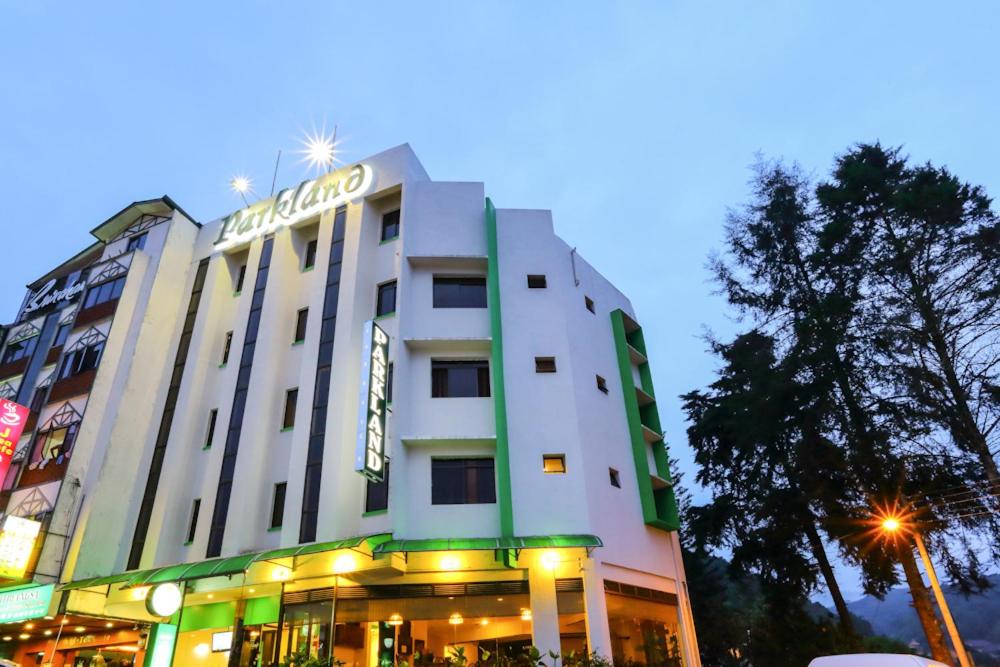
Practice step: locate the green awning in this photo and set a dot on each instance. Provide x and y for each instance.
(220, 567)
(489, 543)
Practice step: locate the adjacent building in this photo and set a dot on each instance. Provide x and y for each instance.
(373, 417)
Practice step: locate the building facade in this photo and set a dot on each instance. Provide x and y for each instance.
(373, 417)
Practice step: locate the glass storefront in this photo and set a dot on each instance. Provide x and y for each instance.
(645, 631)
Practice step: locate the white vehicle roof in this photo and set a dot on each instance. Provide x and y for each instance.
(875, 660)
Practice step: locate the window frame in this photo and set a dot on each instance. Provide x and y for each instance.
(136, 242)
(537, 281)
(116, 287)
(478, 300)
(439, 390)
(470, 492)
(309, 254)
(380, 291)
(278, 508)
(241, 276)
(288, 412)
(602, 384)
(213, 417)
(542, 365)
(193, 520)
(560, 458)
(22, 351)
(615, 478)
(227, 347)
(301, 326)
(384, 225)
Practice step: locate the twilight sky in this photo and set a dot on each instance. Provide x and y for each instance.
(634, 122)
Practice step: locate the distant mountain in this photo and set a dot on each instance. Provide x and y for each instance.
(977, 618)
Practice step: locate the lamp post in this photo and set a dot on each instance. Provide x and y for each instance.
(892, 525)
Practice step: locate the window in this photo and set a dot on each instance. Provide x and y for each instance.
(390, 225)
(81, 360)
(193, 521)
(291, 399)
(602, 384)
(210, 435)
(454, 292)
(460, 379)
(462, 481)
(55, 443)
(589, 303)
(104, 292)
(278, 505)
(545, 364)
(310, 259)
(385, 304)
(388, 383)
(554, 463)
(137, 242)
(240, 277)
(20, 349)
(377, 493)
(615, 478)
(226, 347)
(536, 281)
(38, 399)
(301, 318)
(62, 333)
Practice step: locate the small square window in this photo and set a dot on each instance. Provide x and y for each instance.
(589, 303)
(385, 301)
(545, 364)
(390, 225)
(137, 242)
(310, 259)
(615, 478)
(602, 384)
(536, 281)
(301, 318)
(554, 464)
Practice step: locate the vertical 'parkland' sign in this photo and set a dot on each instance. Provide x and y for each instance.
(369, 456)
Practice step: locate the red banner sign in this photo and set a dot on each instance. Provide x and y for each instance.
(12, 419)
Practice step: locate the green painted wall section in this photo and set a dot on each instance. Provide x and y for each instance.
(206, 616)
(262, 610)
(659, 506)
(504, 499)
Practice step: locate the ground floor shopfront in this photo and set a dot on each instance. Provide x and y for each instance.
(374, 603)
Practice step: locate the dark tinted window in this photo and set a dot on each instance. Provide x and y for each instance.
(458, 379)
(385, 303)
(61, 334)
(136, 243)
(301, 318)
(240, 277)
(536, 281)
(227, 346)
(462, 481)
(453, 292)
(390, 225)
(310, 259)
(193, 523)
(615, 479)
(278, 506)
(210, 436)
(388, 383)
(545, 364)
(291, 400)
(81, 360)
(104, 292)
(377, 493)
(589, 303)
(602, 384)
(20, 349)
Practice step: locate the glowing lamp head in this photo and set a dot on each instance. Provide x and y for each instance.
(450, 563)
(164, 600)
(202, 650)
(344, 563)
(395, 619)
(280, 574)
(240, 184)
(525, 614)
(456, 619)
(550, 560)
(318, 150)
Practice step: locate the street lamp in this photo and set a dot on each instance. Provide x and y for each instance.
(892, 525)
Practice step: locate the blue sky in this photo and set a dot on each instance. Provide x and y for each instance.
(634, 122)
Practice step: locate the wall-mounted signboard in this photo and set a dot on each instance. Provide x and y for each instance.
(369, 453)
(20, 604)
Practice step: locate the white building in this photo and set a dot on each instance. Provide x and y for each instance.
(525, 498)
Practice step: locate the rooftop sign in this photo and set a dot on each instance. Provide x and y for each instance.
(369, 454)
(294, 204)
(48, 295)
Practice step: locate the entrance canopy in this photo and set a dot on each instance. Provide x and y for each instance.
(488, 543)
(219, 567)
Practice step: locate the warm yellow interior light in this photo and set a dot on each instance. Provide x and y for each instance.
(450, 563)
(345, 563)
(456, 619)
